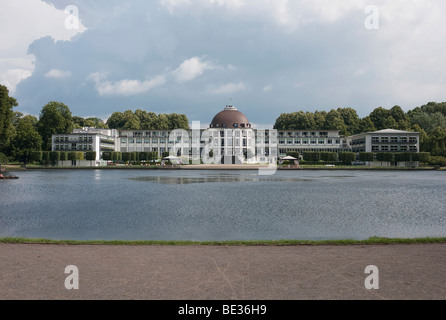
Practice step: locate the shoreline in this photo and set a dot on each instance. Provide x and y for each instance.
(229, 243)
(15, 168)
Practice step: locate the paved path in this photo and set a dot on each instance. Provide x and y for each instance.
(35, 271)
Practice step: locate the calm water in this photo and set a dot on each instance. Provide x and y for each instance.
(222, 205)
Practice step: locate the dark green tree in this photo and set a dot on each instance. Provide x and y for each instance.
(55, 117)
(26, 138)
(7, 104)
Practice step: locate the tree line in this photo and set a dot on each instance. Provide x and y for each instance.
(429, 120)
(21, 135)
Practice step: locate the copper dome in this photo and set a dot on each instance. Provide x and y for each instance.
(230, 117)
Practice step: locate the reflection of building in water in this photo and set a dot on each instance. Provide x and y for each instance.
(231, 139)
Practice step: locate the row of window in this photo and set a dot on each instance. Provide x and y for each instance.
(235, 125)
(68, 147)
(394, 139)
(394, 148)
(303, 134)
(80, 139)
(309, 141)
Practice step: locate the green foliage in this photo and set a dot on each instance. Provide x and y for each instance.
(328, 156)
(403, 157)
(3, 158)
(366, 156)
(165, 154)
(293, 154)
(116, 156)
(347, 157)
(311, 156)
(26, 138)
(7, 131)
(421, 157)
(90, 155)
(63, 156)
(107, 156)
(75, 155)
(385, 156)
(92, 122)
(54, 156)
(45, 156)
(55, 117)
(438, 161)
(141, 119)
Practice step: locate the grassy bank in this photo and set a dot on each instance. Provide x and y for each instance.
(370, 241)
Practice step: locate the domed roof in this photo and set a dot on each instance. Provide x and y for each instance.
(230, 117)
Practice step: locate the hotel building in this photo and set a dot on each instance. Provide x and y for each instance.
(231, 139)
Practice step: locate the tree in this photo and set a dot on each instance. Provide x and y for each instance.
(378, 116)
(347, 157)
(55, 117)
(90, 156)
(7, 103)
(26, 139)
(366, 156)
(351, 120)
(366, 125)
(334, 121)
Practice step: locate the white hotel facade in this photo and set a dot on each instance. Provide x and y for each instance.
(232, 140)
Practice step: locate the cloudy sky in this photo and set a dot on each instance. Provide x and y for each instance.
(195, 56)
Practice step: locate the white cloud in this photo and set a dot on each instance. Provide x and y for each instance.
(58, 74)
(124, 87)
(10, 78)
(268, 88)
(25, 22)
(229, 88)
(191, 69)
(170, 5)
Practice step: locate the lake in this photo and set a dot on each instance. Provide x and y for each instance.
(202, 205)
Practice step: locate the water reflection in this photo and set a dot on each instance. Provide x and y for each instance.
(212, 179)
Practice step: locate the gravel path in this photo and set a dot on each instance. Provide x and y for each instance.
(37, 271)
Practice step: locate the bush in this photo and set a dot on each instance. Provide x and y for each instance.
(90, 155)
(347, 157)
(116, 156)
(311, 156)
(366, 156)
(437, 161)
(36, 156)
(3, 158)
(63, 156)
(107, 155)
(385, 156)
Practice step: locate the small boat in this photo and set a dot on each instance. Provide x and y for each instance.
(8, 178)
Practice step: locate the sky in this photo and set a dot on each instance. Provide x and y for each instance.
(194, 57)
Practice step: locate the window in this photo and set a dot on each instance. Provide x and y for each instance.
(321, 141)
(403, 148)
(281, 141)
(305, 141)
(297, 141)
(375, 148)
(312, 141)
(385, 148)
(138, 140)
(413, 148)
(393, 148)
(131, 140)
(385, 139)
(146, 140)
(235, 125)
(289, 141)
(413, 140)
(403, 139)
(329, 141)
(393, 139)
